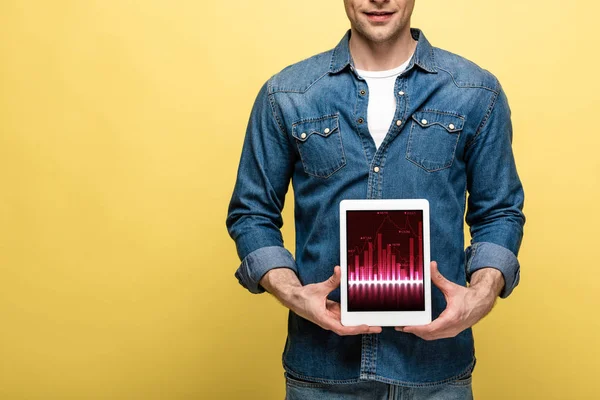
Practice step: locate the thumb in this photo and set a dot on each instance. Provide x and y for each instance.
(438, 279)
(334, 280)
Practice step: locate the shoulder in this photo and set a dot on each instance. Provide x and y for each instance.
(300, 76)
(464, 72)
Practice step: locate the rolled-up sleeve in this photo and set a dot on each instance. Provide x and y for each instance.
(256, 264)
(486, 254)
(496, 197)
(254, 217)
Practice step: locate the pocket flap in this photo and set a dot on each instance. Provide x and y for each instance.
(323, 126)
(451, 122)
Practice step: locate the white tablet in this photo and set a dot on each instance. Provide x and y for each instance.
(384, 256)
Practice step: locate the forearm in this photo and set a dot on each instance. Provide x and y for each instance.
(283, 284)
(488, 284)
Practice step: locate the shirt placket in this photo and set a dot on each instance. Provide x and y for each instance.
(369, 342)
(376, 165)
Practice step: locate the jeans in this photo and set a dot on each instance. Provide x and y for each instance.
(297, 389)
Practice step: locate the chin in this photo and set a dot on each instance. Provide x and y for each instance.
(379, 36)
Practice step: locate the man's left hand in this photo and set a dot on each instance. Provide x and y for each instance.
(465, 305)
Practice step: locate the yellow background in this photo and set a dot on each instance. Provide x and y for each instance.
(121, 125)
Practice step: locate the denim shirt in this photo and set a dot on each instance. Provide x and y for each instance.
(451, 135)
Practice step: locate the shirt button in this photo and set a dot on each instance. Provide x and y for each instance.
(451, 126)
(327, 130)
(376, 169)
(303, 135)
(401, 93)
(424, 121)
(360, 120)
(363, 92)
(399, 122)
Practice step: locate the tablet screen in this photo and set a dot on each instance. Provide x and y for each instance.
(385, 260)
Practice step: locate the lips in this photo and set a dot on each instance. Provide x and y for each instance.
(378, 12)
(379, 16)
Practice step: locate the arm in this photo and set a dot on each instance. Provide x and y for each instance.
(496, 223)
(496, 198)
(254, 221)
(254, 215)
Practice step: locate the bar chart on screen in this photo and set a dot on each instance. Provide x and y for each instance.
(385, 260)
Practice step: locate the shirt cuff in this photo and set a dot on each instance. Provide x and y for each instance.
(486, 254)
(256, 264)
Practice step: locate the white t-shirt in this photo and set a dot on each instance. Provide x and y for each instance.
(382, 100)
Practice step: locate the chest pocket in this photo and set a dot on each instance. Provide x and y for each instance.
(320, 145)
(433, 138)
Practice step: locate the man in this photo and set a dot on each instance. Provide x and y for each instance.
(382, 115)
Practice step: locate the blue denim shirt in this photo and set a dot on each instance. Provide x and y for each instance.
(451, 136)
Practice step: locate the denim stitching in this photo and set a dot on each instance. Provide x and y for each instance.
(314, 131)
(415, 162)
(395, 132)
(375, 340)
(434, 65)
(467, 85)
(273, 113)
(417, 385)
(333, 53)
(322, 173)
(363, 355)
(317, 119)
(382, 379)
(470, 260)
(483, 121)
(356, 129)
(300, 91)
(452, 113)
(459, 121)
(320, 380)
(290, 381)
(462, 382)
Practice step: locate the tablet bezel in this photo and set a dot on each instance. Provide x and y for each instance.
(385, 318)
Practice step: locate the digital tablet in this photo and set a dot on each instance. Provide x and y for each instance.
(384, 257)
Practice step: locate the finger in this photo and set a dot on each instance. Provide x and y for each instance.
(438, 328)
(365, 328)
(375, 329)
(333, 306)
(334, 312)
(334, 280)
(342, 330)
(332, 321)
(439, 280)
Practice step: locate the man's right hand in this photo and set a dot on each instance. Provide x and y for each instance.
(310, 301)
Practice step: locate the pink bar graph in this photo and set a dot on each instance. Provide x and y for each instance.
(385, 260)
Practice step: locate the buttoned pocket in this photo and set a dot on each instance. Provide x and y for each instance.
(433, 138)
(319, 142)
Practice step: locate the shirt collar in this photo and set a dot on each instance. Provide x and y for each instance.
(423, 56)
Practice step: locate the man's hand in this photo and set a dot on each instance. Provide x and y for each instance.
(310, 301)
(465, 305)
